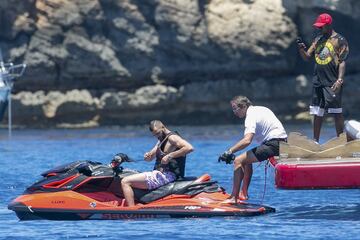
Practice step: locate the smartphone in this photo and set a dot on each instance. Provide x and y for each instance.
(299, 40)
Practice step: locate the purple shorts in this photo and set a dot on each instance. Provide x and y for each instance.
(156, 179)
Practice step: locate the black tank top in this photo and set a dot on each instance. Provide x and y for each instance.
(175, 165)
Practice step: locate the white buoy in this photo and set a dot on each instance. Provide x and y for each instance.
(352, 128)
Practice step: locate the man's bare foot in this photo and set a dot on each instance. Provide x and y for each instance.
(231, 200)
(243, 196)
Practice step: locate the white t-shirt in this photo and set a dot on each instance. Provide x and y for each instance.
(263, 123)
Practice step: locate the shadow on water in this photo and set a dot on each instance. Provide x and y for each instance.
(326, 212)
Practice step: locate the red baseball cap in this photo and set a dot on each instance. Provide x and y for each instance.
(322, 20)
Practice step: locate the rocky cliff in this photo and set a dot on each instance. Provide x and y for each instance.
(106, 62)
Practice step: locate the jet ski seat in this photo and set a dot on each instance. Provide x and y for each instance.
(185, 186)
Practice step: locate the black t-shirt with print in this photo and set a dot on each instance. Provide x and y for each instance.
(329, 52)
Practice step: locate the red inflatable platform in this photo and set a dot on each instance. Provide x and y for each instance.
(317, 174)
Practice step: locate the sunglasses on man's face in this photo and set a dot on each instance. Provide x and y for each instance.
(236, 108)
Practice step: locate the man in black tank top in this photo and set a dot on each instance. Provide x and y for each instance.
(174, 165)
(170, 152)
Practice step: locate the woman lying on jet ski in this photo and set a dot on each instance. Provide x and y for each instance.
(170, 153)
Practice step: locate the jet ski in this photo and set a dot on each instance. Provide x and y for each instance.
(87, 190)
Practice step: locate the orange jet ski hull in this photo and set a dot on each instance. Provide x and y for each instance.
(76, 196)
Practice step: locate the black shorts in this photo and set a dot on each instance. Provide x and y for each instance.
(267, 149)
(325, 99)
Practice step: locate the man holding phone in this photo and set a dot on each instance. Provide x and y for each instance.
(330, 50)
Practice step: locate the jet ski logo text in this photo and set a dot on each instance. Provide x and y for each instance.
(191, 207)
(112, 216)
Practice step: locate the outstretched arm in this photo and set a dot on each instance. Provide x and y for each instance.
(243, 143)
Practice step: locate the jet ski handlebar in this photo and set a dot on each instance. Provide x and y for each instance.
(117, 160)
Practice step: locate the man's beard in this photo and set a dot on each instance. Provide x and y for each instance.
(162, 136)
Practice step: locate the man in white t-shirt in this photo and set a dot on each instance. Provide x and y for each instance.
(262, 125)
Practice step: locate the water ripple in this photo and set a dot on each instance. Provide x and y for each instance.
(325, 214)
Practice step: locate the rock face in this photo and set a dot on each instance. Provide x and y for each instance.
(105, 62)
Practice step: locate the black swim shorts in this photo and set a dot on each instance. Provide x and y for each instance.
(267, 149)
(325, 99)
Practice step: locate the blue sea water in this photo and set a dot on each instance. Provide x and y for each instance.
(314, 214)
